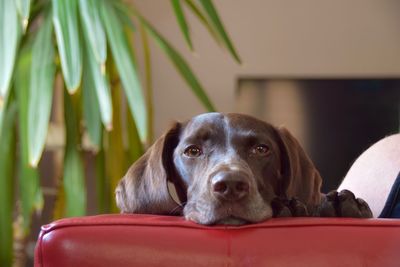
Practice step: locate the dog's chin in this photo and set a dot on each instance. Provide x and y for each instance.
(228, 214)
(229, 220)
(232, 221)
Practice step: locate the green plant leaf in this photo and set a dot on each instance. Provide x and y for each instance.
(136, 148)
(91, 111)
(180, 64)
(126, 68)
(29, 181)
(148, 84)
(65, 20)
(74, 177)
(74, 186)
(115, 155)
(31, 194)
(93, 29)
(1, 118)
(2, 111)
(124, 14)
(199, 14)
(59, 205)
(216, 22)
(9, 37)
(41, 90)
(180, 16)
(7, 160)
(103, 205)
(23, 9)
(95, 79)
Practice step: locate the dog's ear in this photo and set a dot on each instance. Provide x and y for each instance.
(299, 177)
(144, 187)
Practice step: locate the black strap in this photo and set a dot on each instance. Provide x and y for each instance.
(392, 205)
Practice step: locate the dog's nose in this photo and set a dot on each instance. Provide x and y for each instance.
(230, 185)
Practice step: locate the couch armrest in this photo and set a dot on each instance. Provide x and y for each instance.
(146, 240)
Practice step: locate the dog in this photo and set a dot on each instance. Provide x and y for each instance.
(230, 169)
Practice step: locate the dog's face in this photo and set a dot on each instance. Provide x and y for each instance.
(231, 167)
(227, 168)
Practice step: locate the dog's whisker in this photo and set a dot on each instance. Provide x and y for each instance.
(178, 208)
(182, 204)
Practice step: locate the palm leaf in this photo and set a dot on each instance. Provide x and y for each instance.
(59, 205)
(180, 16)
(136, 148)
(216, 22)
(31, 194)
(7, 160)
(93, 28)
(9, 37)
(23, 9)
(74, 178)
(101, 182)
(199, 14)
(126, 68)
(124, 14)
(148, 84)
(91, 109)
(115, 155)
(30, 191)
(178, 61)
(67, 32)
(74, 186)
(100, 85)
(3, 105)
(1, 118)
(41, 90)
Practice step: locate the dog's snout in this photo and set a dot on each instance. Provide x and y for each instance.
(229, 185)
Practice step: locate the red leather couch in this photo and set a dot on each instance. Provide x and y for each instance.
(144, 240)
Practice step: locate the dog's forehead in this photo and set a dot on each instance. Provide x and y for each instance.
(247, 123)
(230, 124)
(205, 124)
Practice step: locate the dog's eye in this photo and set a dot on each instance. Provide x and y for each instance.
(261, 150)
(193, 151)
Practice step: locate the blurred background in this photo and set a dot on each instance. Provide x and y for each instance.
(329, 71)
(326, 70)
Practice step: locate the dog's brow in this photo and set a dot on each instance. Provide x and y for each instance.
(247, 135)
(199, 135)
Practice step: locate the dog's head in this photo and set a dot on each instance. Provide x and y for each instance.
(226, 168)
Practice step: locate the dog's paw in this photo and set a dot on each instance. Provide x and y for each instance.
(343, 204)
(288, 208)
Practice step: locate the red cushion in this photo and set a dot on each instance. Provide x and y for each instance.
(145, 240)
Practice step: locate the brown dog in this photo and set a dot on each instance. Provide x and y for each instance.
(230, 169)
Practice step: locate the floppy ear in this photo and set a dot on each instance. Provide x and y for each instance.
(300, 179)
(144, 188)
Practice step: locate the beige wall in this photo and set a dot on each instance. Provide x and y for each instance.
(274, 38)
